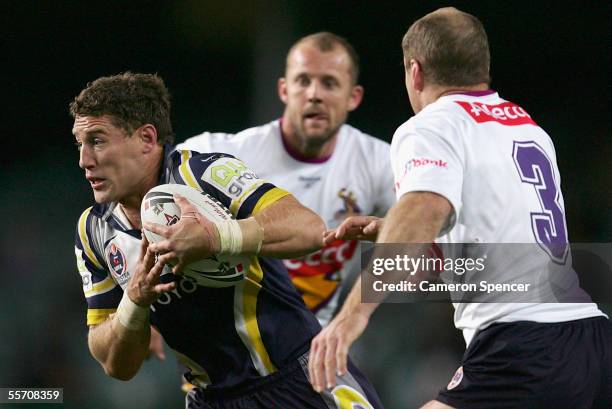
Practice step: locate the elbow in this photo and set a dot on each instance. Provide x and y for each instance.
(120, 374)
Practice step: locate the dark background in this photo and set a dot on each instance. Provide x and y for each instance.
(220, 60)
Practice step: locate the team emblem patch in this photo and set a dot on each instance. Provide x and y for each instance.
(457, 378)
(117, 260)
(350, 206)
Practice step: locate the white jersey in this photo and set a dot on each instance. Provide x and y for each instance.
(355, 179)
(498, 170)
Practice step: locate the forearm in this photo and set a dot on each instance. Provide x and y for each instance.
(414, 222)
(353, 305)
(290, 229)
(119, 349)
(415, 218)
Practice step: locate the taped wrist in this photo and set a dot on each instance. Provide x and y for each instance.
(240, 236)
(131, 315)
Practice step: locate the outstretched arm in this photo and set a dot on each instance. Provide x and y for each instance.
(290, 229)
(364, 228)
(417, 217)
(284, 229)
(121, 343)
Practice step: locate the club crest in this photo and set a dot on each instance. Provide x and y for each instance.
(117, 260)
(350, 206)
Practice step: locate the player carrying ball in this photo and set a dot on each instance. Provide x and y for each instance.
(245, 345)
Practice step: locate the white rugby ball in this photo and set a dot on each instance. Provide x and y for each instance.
(158, 206)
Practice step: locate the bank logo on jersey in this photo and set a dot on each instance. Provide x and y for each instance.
(415, 163)
(231, 176)
(350, 206)
(117, 263)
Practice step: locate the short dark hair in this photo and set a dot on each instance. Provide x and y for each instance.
(325, 42)
(451, 46)
(131, 100)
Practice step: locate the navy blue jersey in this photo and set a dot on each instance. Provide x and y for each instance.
(227, 337)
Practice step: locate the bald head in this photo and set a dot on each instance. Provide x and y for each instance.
(327, 42)
(451, 46)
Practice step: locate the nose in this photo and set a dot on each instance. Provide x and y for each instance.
(313, 92)
(86, 160)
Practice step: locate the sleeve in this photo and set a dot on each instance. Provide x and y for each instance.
(228, 179)
(426, 155)
(101, 292)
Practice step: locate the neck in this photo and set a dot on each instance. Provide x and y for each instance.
(301, 149)
(133, 215)
(433, 93)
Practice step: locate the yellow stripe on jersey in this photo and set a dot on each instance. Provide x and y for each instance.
(97, 316)
(101, 287)
(348, 398)
(85, 239)
(186, 172)
(268, 198)
(236, 203)
(245, 315)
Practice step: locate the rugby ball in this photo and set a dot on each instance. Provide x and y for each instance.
(158, 206)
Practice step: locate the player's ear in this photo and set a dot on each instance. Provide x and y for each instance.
(148, 136)
(416, 75)
(356, 97)
(282, 89)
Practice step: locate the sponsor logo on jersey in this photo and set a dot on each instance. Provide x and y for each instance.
(309, 180)
(231, 176)
(327, 260)
(317, 275)
(456, 380)
(415, 163)
(350, 206)
(211, 158)
(506, 113)
(87, 282)
(420, 162)
(117, 263)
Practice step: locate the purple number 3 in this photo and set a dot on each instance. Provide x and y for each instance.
(535, 168)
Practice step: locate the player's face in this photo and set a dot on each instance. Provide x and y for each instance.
(318, 93)
(114, 162)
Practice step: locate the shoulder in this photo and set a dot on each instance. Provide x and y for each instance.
(441, 118)
(261, 131)
(194, 159)
(91, 216)
(214, 141)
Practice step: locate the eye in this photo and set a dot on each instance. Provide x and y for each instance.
(330, 83)
(96, 141)
(303, 81)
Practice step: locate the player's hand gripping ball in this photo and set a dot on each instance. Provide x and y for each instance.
(158, 206)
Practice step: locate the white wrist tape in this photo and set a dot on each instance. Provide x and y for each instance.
(131, 315)
(238, 237)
